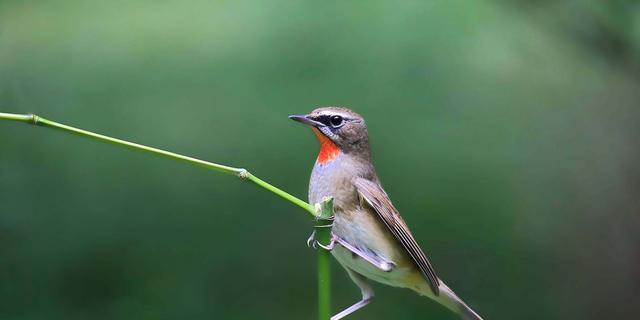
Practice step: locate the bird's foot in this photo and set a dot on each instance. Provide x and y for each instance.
(312, 242)
(329, 246)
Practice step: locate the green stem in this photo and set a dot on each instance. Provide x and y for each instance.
(324, 284)
(324, 276)
(324, 222)
(240, 172)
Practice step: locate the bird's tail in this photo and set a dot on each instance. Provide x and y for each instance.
(455, 304)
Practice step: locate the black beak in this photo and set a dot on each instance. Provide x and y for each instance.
(306, 120)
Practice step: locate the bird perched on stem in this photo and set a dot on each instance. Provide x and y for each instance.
(369, 238)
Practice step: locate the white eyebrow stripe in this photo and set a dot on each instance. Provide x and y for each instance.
(334, 113)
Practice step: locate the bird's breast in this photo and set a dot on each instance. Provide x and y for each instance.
(332, 179)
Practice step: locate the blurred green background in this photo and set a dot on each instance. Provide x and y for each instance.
(506, 132)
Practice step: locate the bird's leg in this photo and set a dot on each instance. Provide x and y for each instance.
(367, 295)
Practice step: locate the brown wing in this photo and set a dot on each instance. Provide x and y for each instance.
(375, 196)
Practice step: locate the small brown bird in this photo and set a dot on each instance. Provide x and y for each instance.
(369, 237)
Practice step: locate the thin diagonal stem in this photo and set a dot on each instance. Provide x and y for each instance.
(320, 213)
(240, 172)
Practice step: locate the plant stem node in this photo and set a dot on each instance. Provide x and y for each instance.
(34, 119)
(243, 174)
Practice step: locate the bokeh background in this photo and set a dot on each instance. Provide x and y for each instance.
(506, 132)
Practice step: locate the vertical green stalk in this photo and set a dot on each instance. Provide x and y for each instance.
(324, 221)
(323, 212)
(324, 284)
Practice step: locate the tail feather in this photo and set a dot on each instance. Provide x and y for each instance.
(453, 302)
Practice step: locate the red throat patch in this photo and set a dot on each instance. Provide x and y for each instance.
(328, 149)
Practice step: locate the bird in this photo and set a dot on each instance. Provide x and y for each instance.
(369, 238)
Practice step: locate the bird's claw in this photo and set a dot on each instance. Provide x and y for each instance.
(329, 246)
(313, 243)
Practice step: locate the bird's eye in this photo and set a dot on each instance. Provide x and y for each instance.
(336, 121)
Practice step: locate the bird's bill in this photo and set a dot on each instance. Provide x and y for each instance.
(306, 120)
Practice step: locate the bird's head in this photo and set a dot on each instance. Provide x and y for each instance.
(339, 130)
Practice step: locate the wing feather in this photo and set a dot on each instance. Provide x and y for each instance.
(375, 196)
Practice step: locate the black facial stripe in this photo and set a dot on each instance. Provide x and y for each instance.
(323, 118)
(326, 119)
